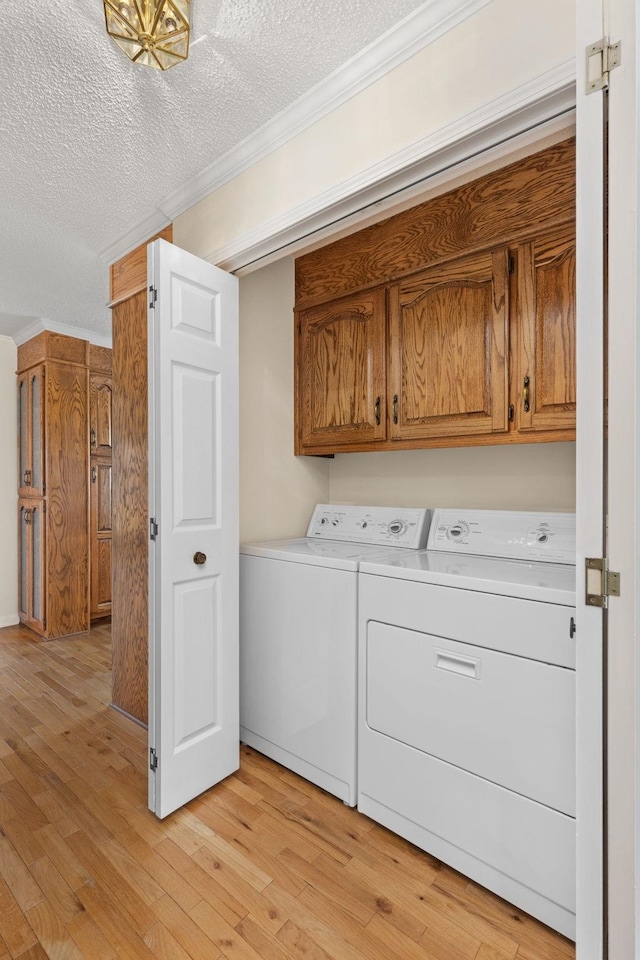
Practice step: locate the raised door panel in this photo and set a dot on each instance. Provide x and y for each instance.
(32, 584)
(546, 384)
(100, 407)
(449, 348)
(100, 537)
(31, 433)
(341, 372)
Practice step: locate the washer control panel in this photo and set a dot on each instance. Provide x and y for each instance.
(384, 526)
(510, 534)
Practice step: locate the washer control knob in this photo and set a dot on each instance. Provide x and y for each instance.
(457, 532)
(335, 521)
(397, 527)
(363, 524)
(324, 521)
(543, 537)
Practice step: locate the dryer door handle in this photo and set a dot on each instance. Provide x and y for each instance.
(456, 663)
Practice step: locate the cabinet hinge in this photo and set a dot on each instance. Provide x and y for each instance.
(511, 412)
(153, 528)
(600, 582)
(512, 264)
(602, 58)
(44, 622)
(153, 297)
(153, 759)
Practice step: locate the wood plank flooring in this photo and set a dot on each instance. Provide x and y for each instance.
(263, 866)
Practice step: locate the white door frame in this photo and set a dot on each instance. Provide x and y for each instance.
(624, 495)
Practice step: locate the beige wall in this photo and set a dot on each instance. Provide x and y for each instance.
(487, 56)
(535, 476)
(8, 474)
(277, 490)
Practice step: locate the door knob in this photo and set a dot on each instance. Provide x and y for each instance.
(199, 558)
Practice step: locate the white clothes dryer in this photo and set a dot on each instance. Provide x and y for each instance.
(298, 637)
(466, 733)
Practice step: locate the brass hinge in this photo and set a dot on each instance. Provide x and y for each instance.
(602, 58)
(153, 759)
(153, 528)
(600, 582)
(153, 297)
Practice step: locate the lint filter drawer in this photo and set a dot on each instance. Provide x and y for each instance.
(505, 718)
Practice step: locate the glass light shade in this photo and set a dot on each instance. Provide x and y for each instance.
(151, 32)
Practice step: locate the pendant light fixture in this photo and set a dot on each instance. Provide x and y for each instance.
(151, 32)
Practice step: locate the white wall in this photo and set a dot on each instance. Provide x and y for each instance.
(8, 475)
(277, 490)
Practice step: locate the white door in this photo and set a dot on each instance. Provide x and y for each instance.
(193, 496)
(590, 704)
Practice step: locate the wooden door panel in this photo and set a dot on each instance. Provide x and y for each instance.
(31, 565)
(546, 383)
(100, 415)
(30, 433)
(449, 346)
(100, 537)
(341, 371)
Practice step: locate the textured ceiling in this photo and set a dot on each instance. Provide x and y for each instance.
(91, 143)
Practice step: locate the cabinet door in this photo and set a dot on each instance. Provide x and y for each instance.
(341, 372)
(32, 574)
(100, 415)
(449, 349)
(100, 538)
(30, 432)
(546, 355)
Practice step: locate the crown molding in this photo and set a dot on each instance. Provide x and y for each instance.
(548, 99)
(80, 333)
(144, 229)
(422, 27)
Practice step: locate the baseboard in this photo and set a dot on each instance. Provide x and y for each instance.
(128, 716)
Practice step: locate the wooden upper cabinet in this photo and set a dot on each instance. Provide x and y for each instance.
(100, 406)
(449, 349)
(31, 481)
(341, 372)
(545, 395)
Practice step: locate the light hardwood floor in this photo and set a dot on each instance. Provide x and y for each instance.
(263, 866)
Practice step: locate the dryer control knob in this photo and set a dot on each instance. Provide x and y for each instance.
(397, 527)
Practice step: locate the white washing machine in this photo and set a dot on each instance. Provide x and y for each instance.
(298, 637)
(466, 729)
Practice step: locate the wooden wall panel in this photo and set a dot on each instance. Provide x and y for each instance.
(99, 359)
(130, 621)
(512, 203)
(129, 275)
(52, 346)
(66, 431)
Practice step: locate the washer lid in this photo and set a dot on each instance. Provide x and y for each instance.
(544, 582)
(512, 534)
(340, 555)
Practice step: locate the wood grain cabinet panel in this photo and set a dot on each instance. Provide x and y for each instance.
(100, 538)
(53, 507)
(31, 568)
(448, 352)
(31, 386)
(341, 371)
(546, 380)
(100, 407)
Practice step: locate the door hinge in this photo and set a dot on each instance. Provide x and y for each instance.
(600, 582)
(153, 759)
(153, 528)
(153, 297)
(602, 58)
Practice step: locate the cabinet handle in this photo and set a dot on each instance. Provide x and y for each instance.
(377, 411)
(395, 408)
(525, 395)
(94, 474)
(94, 439)
(27, 516)
(27, 478)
